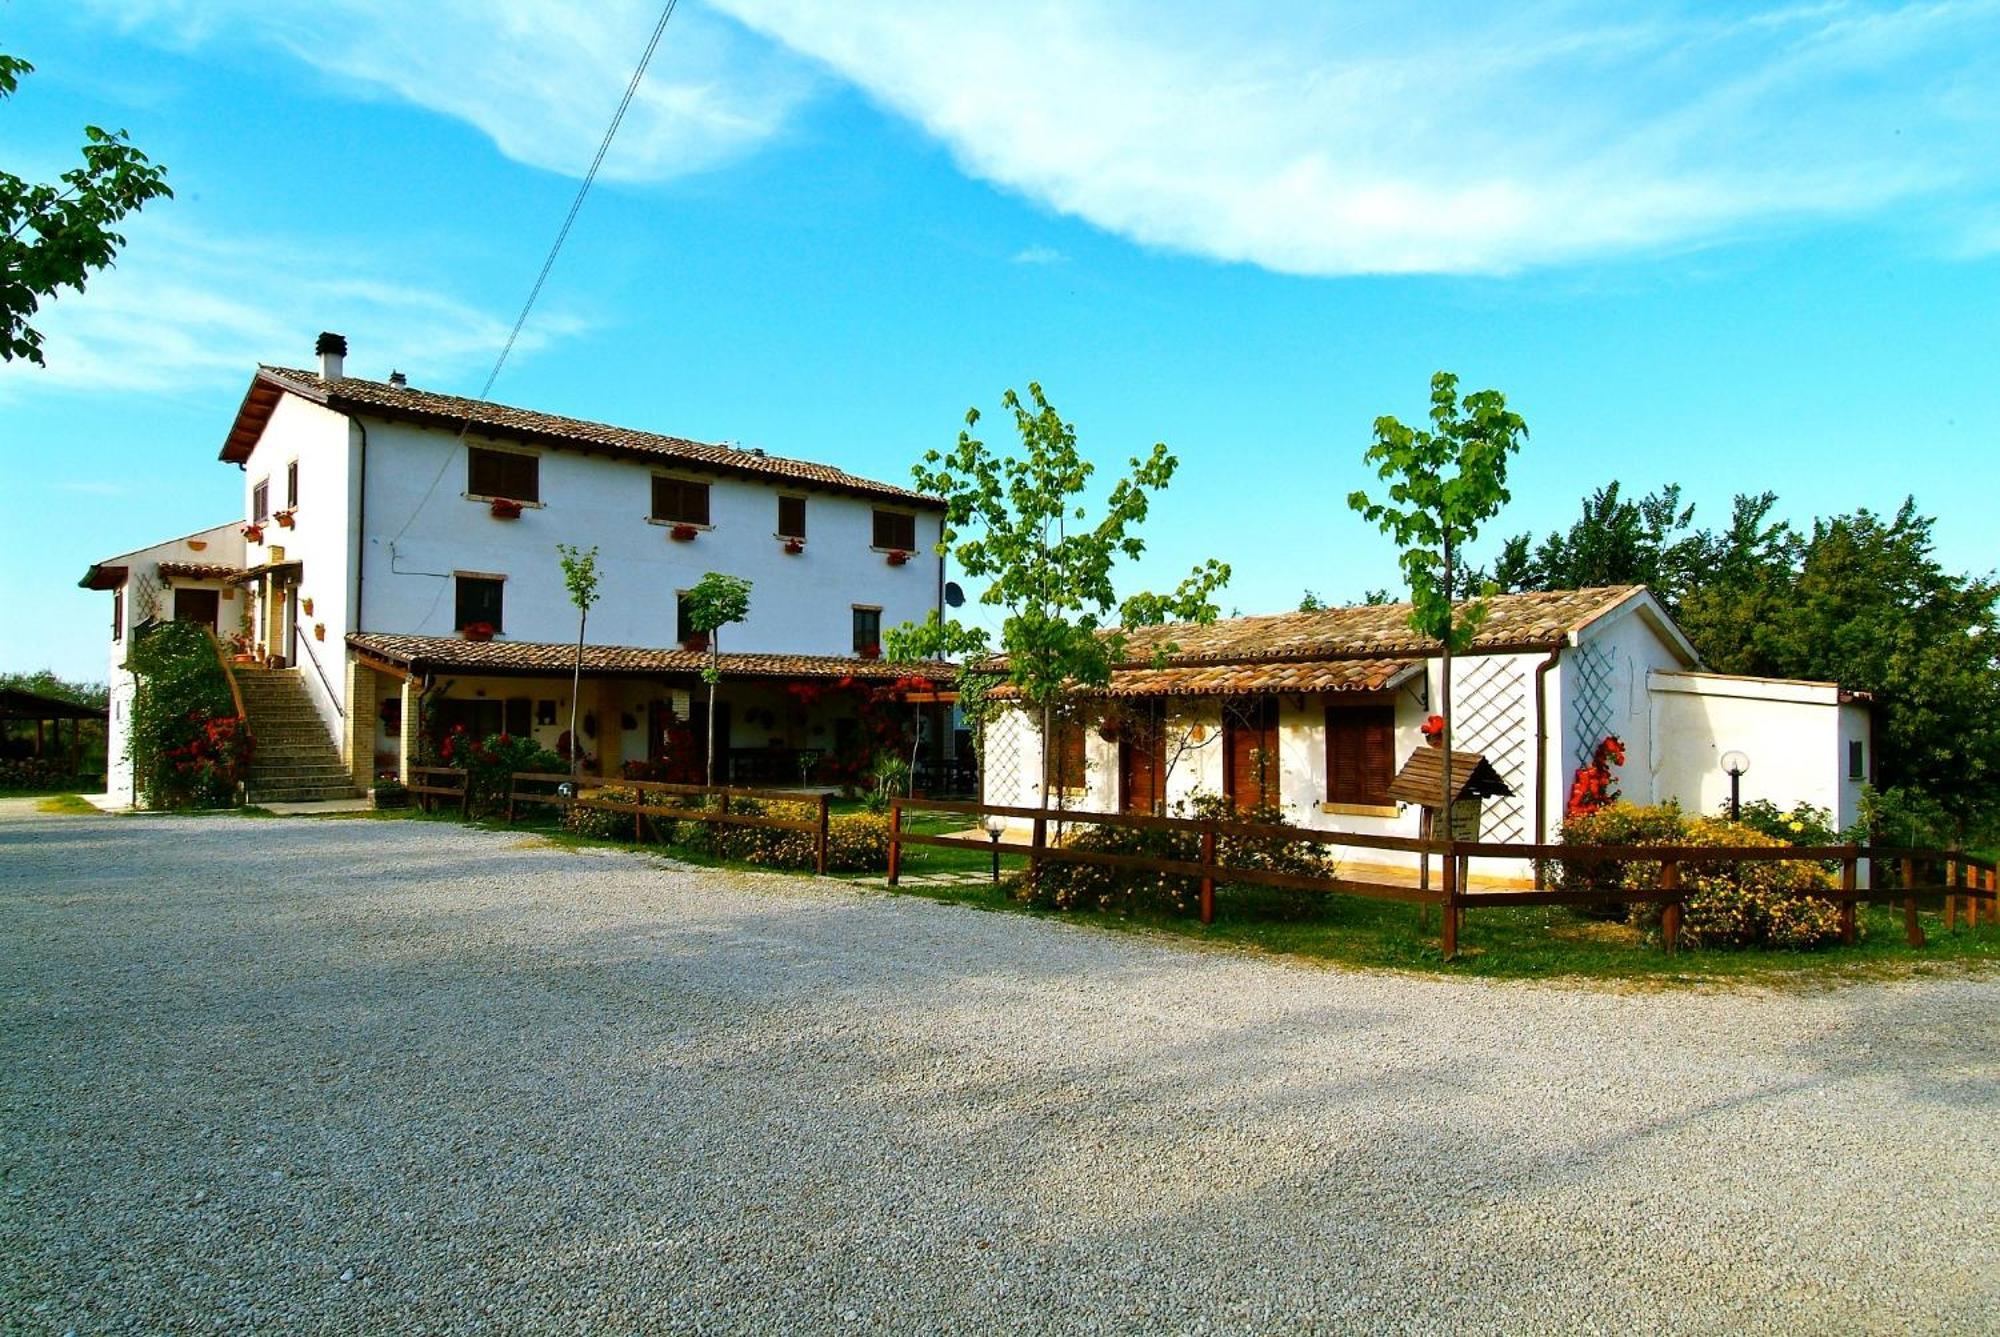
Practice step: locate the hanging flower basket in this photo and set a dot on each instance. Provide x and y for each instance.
(505, 509)
(898, 557)
(285, 519)
(1109, 731)
(477, 631)
(254, 532)
(683, 533)
(795, 546)
(1433, 731)
(871, 652)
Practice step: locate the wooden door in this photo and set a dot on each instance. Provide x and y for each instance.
(1138, 771)
(1250, 754)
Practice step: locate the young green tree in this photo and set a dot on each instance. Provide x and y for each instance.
(1445, 481)
(715, 601)
(1019, 521)
(53, 236)
(579, 570)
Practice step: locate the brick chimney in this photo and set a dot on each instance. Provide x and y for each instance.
(332, 350)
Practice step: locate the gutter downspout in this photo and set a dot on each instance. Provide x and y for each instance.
(1542, 751)
(360, 527)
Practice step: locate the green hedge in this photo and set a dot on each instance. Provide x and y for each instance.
(856, 842)
(187, 747)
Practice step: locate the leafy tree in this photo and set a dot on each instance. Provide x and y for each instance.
(1310, 602)
(53, 236)
(1614, 542)
(715, 601)
(1445, 481)
(579, 570)
(1019, 521)
(46, 682)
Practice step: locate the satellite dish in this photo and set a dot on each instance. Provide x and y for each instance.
(953, 595)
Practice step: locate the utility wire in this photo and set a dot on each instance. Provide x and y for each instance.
(548, 264)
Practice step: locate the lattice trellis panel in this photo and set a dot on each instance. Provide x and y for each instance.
(1490, 700)
(1589, 685)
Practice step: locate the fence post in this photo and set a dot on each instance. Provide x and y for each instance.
(895, 840)
(512, 784)
(1849, 881)
(1038, 841)
(820, 836)
(1208, 874)
(1670, 913)
(1913, 929)
(1450, 907)
(465, 796)
(1952, 869)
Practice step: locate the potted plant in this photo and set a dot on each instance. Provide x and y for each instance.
(389, 792)
(287, 518)
(871, 652)
(477, 631)
(1433, 731)
(683, 533)
(505, 509)
(897, 557)
(795, 546)
(254, 532)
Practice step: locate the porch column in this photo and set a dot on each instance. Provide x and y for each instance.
(358, 742)
(609, 743)
(412, 727)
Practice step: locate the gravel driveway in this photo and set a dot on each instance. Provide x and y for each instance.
(342, 1074)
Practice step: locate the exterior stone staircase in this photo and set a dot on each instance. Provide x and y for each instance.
(295, 761)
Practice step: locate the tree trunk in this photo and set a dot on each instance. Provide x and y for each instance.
(1444, 687)
(708, 762)
(576, 691)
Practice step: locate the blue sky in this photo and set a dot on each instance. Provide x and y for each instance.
(1737, 247)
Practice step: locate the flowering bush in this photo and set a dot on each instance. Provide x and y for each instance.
(32, 773)
(187, 747)
(855, 842)
(489, 764)
(1080, 886)
(1803, 825)
(1593, 788)
(1726, 905)
(600, 825)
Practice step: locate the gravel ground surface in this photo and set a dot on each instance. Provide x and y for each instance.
(329, 1075)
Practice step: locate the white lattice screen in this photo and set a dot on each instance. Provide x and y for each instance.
(1490, 699)
(1588, 684)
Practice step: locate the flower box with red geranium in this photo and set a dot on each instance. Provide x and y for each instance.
(1433, 731)
(898, 557)
(477, 631)
(871, 652)
(286, 519)
(254, 532)
(505, 508)
(695, 642)
(795, 546)
(683, 533)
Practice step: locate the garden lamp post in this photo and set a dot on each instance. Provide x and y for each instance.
(995, 824)
(1735, 765)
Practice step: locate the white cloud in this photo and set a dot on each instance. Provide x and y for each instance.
(1320, 140)
(540, 79)
(1039, 255)
(185, 310)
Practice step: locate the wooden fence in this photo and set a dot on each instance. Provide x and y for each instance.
(563, 791)
(430, 783)
(1961, 879)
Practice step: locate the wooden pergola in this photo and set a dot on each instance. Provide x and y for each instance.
(49, 714)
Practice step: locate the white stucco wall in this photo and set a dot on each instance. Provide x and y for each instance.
(423, 527)
(321, 538)
(1795, 734)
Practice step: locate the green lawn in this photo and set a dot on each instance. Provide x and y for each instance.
(1533, 942)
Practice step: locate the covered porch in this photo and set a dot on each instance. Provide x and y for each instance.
(781, 721)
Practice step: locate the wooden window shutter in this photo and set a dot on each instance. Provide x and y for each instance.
(680, 500)
(1360, 754)
(792, 517)
(893, 529)
(502, 473)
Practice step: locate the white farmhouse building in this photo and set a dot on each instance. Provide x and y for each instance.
(1315, 712)
(388, 531)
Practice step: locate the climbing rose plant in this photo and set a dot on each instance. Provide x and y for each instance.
(1594, 787)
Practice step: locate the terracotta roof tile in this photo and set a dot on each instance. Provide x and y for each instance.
(451, 654)
(1320, 676)
(198, 570)
(1532, 619)
(352, 394)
